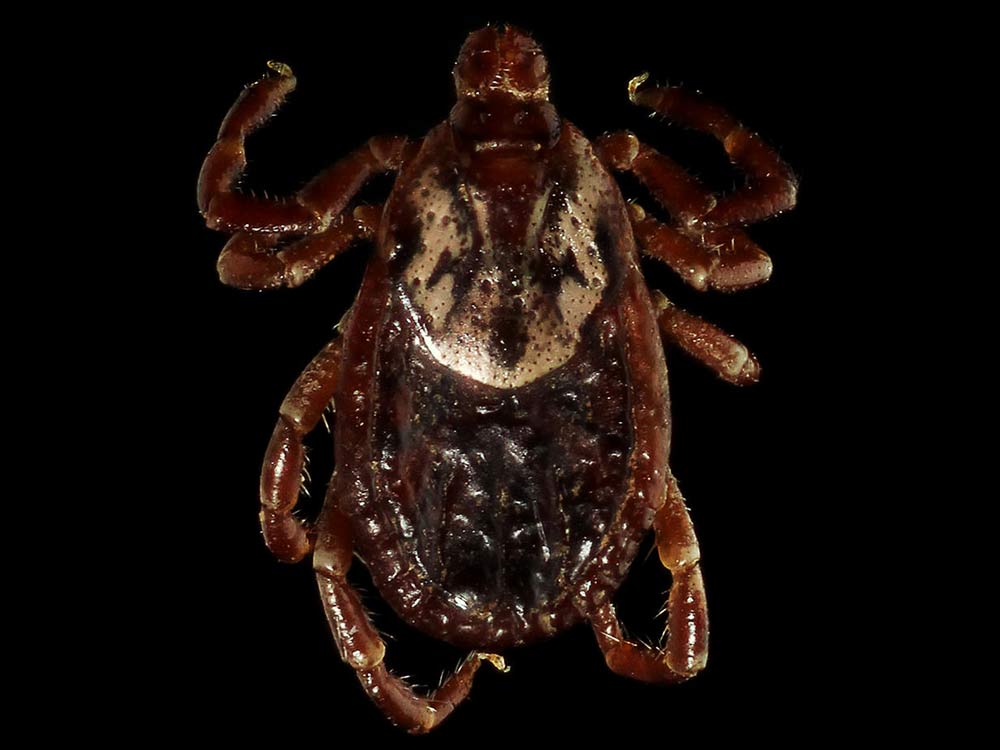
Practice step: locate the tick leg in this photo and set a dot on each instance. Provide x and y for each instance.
(722, 259)
(252, 261)
(362, 648)
(717, 350)
(286, 536)
(677, 191)
(310, 210)
(685, 652)
(770, 186)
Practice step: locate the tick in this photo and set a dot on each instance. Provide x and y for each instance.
(502, 421)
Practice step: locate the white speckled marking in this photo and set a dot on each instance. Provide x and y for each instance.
(459, 332)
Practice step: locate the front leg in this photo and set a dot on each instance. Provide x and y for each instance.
(770, 186)
(685, 652)
(704, 245)
(310, 210)
(259, 261)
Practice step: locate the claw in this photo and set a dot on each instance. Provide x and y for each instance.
(634, 85)
(495, 659)
(280, 68)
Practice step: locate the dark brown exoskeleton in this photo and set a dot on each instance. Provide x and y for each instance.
(502, 416)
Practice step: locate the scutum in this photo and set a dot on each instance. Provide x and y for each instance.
(502, 303)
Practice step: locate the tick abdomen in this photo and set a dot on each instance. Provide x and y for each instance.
(499, 499)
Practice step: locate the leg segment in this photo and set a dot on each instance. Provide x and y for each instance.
(717, 350)
(286, 536)
(686, 650)
(679, 193)
(771, 186)
(312, 208)
(250, 261)
(362, 648)
(721, 259)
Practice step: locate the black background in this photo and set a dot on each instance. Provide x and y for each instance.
(233, 642)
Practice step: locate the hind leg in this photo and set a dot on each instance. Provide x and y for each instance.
(362, 648)
(685, 652)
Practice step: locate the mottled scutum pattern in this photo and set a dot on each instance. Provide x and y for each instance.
(500, 281)
(501, 498)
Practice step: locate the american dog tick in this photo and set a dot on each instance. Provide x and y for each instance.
(500, 391)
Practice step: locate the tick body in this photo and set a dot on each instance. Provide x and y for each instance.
(508, 476)
(502, 421)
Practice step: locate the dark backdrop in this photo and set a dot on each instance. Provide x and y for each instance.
(235, 642)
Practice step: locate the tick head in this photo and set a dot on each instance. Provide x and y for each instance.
(504, 60)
